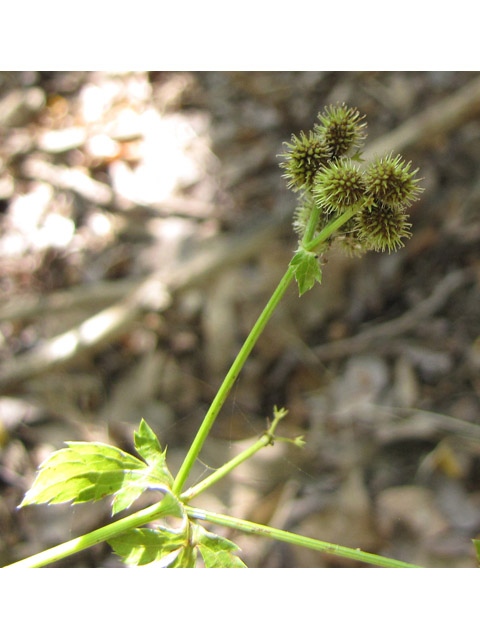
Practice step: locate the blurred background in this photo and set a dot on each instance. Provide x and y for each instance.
(144, 223)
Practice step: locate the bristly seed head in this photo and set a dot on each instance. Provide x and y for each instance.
(323, 165)
(339, 186)
(390, 181)
(341, 129)
(381, 227)
(305, 156)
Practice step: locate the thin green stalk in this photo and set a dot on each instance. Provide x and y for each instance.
(230, 379)
(94, 537)
(311, 226)
(266, 439)
(225, 469)
(326, 232)
(293, 538)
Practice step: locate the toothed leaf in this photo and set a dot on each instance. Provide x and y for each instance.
(144, 546)
(217, 552)
(84, 471)
(307, 270)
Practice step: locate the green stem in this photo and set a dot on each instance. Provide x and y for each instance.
(230, 379)
(326, 232)
(310, 243)
(293, 538)
(311, 226)
(266, 439)
(94, 537)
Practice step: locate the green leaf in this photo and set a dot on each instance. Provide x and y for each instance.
(143, 546)
(127, 495)
(90, 471)
(217, 552)
(307, 270)
(186, 559)
(148, 446)
(156, 474)
(83, 472)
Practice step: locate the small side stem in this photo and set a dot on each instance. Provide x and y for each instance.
(293, 538)
(230, 379)
(311, 226)
(326, 232)
(266, 439)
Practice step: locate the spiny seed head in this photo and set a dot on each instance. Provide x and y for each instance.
(338, 186)
(381, 227)
(305, 155)
(389, 180)
(341, 128)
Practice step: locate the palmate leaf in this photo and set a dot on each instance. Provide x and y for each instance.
(87, 471)
(307, 270)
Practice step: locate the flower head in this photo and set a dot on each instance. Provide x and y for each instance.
(341, 129)
(306, 154)
(390, 181)
(382, 227)
(338, 186)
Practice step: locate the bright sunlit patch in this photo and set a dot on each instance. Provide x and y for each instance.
(166, 164)
(101, 224)
(62, 347)
(98, 325)
(57, 231)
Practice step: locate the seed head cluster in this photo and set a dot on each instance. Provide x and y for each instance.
(325, 167)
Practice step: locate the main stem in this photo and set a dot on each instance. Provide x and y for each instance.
(230, 379)
(309, 242)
